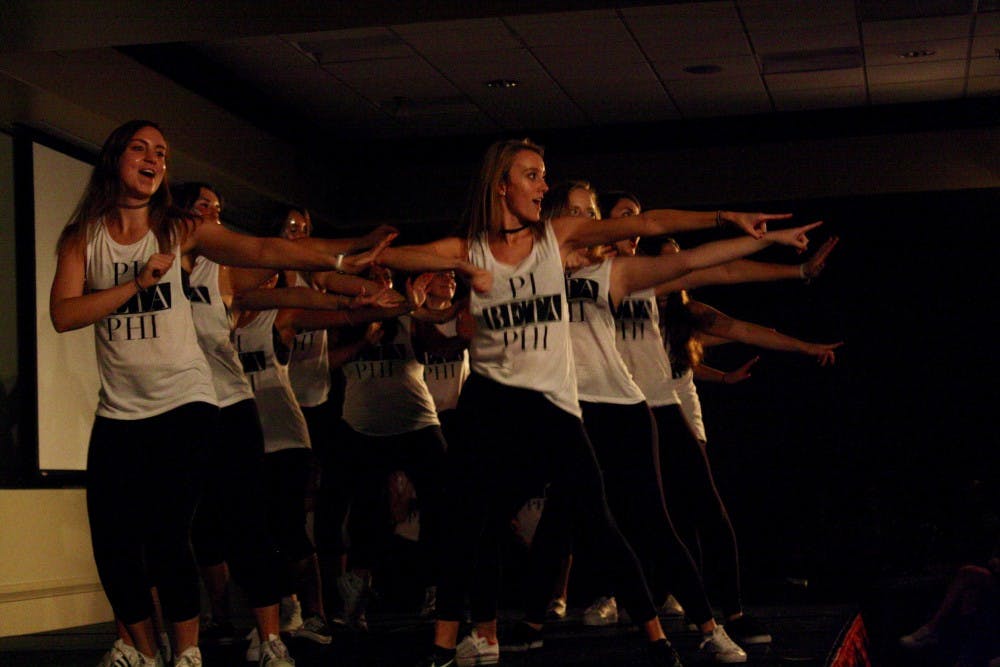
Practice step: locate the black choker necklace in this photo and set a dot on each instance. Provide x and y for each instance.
(134, 206)
(514, 230)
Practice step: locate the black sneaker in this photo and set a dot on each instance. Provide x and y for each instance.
(747, 630)
(523, 638)
(662, 654)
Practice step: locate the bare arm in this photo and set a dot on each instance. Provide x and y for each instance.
(447, 254)
(72, 307)
(709, 374)
(718, 323)
(582, 232)
(749, 271)
(629, 274)
(233, 249)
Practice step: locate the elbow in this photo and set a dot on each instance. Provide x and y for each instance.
(61, 323)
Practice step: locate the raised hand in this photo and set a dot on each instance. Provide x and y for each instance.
(740, 374)
(794, 236)
(156, 267)
(754, 224)
(813, 266)
(824, 352)
(357, 263)
(416, 289)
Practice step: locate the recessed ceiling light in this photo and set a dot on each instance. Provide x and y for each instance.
(702, 69)
(917, 53)
(502, 83)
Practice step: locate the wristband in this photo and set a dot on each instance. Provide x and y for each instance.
(337, 266)
(138, 287)
(718, 219)
(802, 272)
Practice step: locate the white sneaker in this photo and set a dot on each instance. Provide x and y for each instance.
(604, 611)
(191, 657)
(475, 650)
(720, 648)
(290, 611)
(920, 639)
(315, 629)
(123, 655)
(253, 650)
(671, 607)
(556, 610)
(274, 653)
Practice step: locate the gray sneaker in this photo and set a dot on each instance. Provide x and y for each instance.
(274, 653)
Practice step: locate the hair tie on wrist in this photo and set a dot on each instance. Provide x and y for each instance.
(338, 265)
(718, 218)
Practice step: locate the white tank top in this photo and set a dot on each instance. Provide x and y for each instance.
(280, 415)
(214, 324)
(445, 371)
(522, 332)
(148, 357)
(690, 403)
(641, 347)
(309, 368)
(601, 374)
(384, 390)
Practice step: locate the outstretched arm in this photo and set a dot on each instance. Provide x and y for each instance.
(748, 271)
(580, 232)
(718, 323)
(709, 374)
(629, 274)
(447, 254)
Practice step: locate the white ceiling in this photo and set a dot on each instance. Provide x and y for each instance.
(613, 65)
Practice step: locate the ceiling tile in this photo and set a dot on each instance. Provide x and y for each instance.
(988, 24)
(984, 85)
(949, 69)
(986, 46)
(921, 91)
(386, 78)
(572, 58)
(892, 54)
(819, 98)
(769, 14)
(458, 37)
(711, 29)
(581, 29)
(821, 37)
(984, 66)
(881, 10)
(916, 30)
(843, 78)
(744, 66)
(719, 97)
(347, 45)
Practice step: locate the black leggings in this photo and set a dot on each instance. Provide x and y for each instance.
(420, 454)
(228, 526)
(625, 440)
(286, 478)
(696, 507)
(144, 478)
(513, 441)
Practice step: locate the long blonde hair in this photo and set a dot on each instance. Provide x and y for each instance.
(485, 205)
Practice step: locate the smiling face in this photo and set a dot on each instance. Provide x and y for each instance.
(442, 286)
(142, 165)
(522, 190)
(208, 205)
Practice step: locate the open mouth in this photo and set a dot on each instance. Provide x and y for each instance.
(148, 173)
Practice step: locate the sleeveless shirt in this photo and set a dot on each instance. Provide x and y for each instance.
(148, 357)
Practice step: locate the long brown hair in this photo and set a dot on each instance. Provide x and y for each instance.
(680, 326)
(100, 199)
(485, 205)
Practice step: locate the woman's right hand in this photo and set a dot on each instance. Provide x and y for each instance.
(794, 236)
(156, 267)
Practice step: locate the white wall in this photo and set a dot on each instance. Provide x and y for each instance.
(47, 575)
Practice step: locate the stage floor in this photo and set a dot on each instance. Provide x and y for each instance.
(804, 634)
